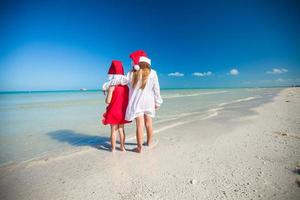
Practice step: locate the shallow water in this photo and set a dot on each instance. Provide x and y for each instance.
(41, 123)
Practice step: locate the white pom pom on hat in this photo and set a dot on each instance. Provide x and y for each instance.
(136, 67)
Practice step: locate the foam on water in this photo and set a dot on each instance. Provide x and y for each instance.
(238, 100)
(170, 96)
(211, 113)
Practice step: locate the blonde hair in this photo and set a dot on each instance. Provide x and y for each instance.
(141, 74)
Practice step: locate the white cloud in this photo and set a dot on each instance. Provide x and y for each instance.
(277, 71)
(200, 74)
(234, 72)
(176, 74)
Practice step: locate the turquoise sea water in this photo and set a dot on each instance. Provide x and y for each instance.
(40, 123)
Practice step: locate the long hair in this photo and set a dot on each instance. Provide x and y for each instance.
(141, 74)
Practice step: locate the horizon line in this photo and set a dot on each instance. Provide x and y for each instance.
(166, 88)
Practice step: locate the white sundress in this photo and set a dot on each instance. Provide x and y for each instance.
(143, 101)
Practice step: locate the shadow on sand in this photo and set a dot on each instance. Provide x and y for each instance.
(78, 139)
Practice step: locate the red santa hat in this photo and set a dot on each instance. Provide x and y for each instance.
(116, 67)
(139, 56)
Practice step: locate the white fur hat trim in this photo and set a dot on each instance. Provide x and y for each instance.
(145, 59)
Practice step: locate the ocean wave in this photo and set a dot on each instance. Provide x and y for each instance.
(207, 115)
(238, 100)
(171, 96)
(186, 114)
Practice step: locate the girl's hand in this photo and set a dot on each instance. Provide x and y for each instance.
(156, 107)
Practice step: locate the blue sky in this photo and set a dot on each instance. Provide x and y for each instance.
(53, 45)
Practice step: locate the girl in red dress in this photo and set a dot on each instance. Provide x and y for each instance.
(117, 100)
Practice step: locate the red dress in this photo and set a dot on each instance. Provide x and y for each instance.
(116, 110)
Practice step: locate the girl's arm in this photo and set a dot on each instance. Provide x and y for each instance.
(109, 94)
(156, 89)
(122, 81)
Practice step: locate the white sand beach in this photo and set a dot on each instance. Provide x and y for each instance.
(242, 150)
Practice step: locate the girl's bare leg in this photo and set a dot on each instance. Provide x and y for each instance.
(149, 129)
(113, 131)
(139, 132)
(122, 137)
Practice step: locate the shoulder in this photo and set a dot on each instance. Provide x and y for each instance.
(129, 74)
(153, 72)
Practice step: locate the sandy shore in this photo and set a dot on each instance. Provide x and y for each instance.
(245, 150)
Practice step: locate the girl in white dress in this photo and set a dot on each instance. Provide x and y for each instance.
(144, 99)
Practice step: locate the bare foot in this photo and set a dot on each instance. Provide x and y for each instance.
(112, 150)
(151, 144)
(137, 150)
(122, 149)
(146, 144)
